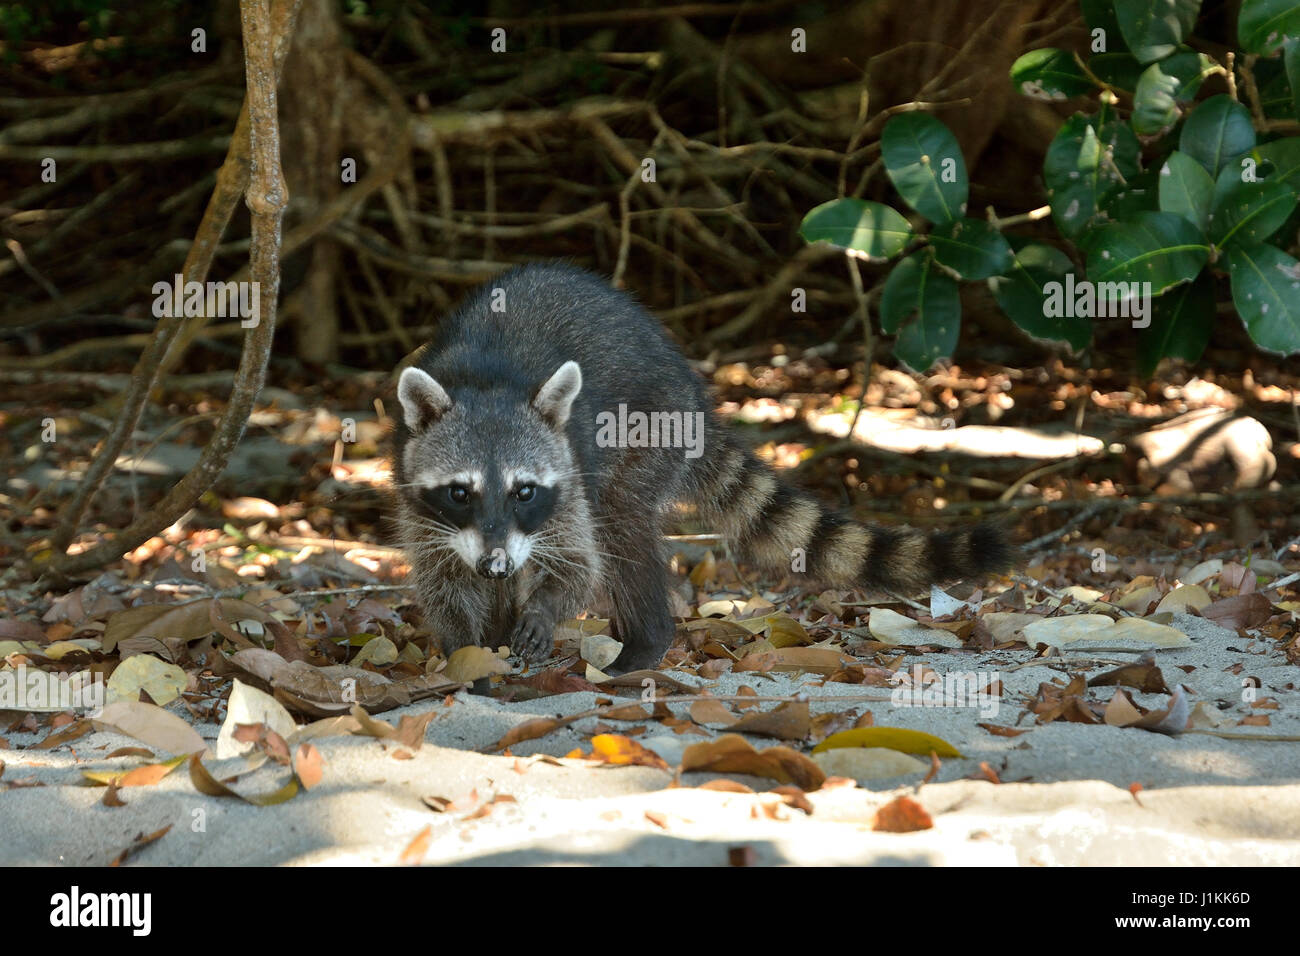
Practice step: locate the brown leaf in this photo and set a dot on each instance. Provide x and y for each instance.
(793, 797)
(264, 739)
(555, 680)
(787, 721)
(862, 674)
(1143, 675)
(411, 730)
(419, 846)
(903, 815)
(627, 712)
(12, 629)
(1244, 610)
(139, 843)
(286, 644)
(723, 785)
(761, 662)
(1122, 712)
(528, 730)
(634, 679)
(111, 799)
(77, 729)
(709, 711)
(998, 730)
(308, 765)
(732, 753)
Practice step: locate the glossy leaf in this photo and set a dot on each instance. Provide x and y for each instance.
(1090, 157)
(1049, 74)
(1217, 132)
(1156, 247)
(1181, 322)
(1021, 295)
(1162, 87)
(1263, 25)
(1153, 29)
(918, 287)
(1186, 189)
(925, 164)
(871, 228)
(971, 248)
(1266, 293)
(1250, 212)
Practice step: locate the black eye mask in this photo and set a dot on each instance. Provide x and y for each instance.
(530, 515)
(438, 503)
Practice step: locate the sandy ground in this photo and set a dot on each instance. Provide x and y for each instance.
(1064, 799)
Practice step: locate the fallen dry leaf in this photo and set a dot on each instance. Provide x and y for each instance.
(903, 815)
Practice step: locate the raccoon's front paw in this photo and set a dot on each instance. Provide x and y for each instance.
(533, 636)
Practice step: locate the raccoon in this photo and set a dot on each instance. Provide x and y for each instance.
(529, 484)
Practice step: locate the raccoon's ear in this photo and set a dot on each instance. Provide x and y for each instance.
(423, 400)
(555, 399)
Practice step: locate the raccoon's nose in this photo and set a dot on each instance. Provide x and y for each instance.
(496, 566)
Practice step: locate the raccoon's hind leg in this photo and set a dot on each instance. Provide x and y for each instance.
(636, 582)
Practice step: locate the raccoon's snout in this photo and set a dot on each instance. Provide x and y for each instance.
(496, 565)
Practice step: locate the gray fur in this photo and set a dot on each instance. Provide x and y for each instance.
(525, 390)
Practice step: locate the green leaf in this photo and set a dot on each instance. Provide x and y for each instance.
(1180, 325)
(1156, 247)
(1049, 74)
(1217, 132)
(1120, 70)
(1291, 61)
(1162, 86)
(1284, 156)
(972, 248)
(1250, 212)
(1263, 25)
(1141, 193)
(1021, 294)
(1266, 293)
(917, 285)
(1186, 189)
(1153, 29)
(1275, 99)
(1090, 157)
(868, 227)
(925, 165)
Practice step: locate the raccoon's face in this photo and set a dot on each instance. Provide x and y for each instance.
(483, 474)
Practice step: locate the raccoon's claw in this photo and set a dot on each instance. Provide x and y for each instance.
(533, 637)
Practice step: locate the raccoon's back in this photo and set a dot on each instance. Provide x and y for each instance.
(549, 315)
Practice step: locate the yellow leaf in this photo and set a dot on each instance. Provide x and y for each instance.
(895, 738)
(470, 663)
(781, 629)
(162, 681)
(137, 776)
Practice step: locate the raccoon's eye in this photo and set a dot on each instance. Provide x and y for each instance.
(525, 492)
(458, 493)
